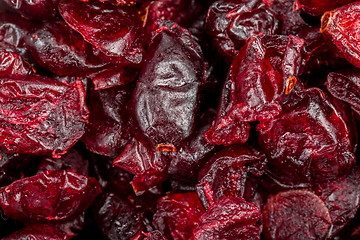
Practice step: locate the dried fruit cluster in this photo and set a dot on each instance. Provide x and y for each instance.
(179, 119)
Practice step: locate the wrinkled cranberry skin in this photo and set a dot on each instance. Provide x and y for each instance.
(13, 32)
(116, 217)
(148, 166)
(40, 116)
(226, 173)
(114, 31)
(308, 141)
(109, 128)
(318, 7)
(13, 64)
(261, 74)
(165, 100)
(48, 196)
(35, 10)
(177, 215)
(341, 197)
(183, 12)
(57, 47)
(230, 218)
(226, 132)
(192, 155)
(296, 214)
(339, 26)
(230, 23)
(345, 86)
(38, 232)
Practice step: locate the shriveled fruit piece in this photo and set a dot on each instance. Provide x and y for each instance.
(148, 166)
(346, 87)
(261, 74)
(182, 12)
(56, 46)
(12, 63)
(308, 141)
(226, 132)
(341, 197)
(113, 30)
(230, 23)
(318, 7)
(109, 128)
(114, 76)
(230, 218)
(48, 196)
(193, 154)
(165, 101)
(13, 33)
(38, 232)
(39, 115)
(340, 27)
(225, 174)
(178, 214)
(36, 10)
(296, 214)
(116, 217)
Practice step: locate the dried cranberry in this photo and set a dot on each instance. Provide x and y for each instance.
(230, 218)
(308, 141)
(165, 100)
(296, 214)
(178, 214)
(346, 87)
(339, 26)
(317, 7)
(38, 232)
(48, 196)
(40, 116)
(115, 216)
(114, 31)
(13, 64)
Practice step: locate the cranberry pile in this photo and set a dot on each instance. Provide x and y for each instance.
(179, 119)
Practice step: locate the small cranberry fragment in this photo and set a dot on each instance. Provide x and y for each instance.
(38, 232)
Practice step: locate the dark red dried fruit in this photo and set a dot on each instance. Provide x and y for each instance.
(148, 166)
(341, 197)
(57, 47)
(109, 128)
(114, 31)
(38, 232)
(40, 116)
(48, 196)
(12, 64)
(230, 218)
(261, 74)
(340, 27)
(116, 218)
(178, 214)
(230, 23)
(165, 100)
(37, 10)
(13, 32)
(193, 154)
(296, 214)
(318, 7)
(346, 87)
(225, 174)
(308, 141)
